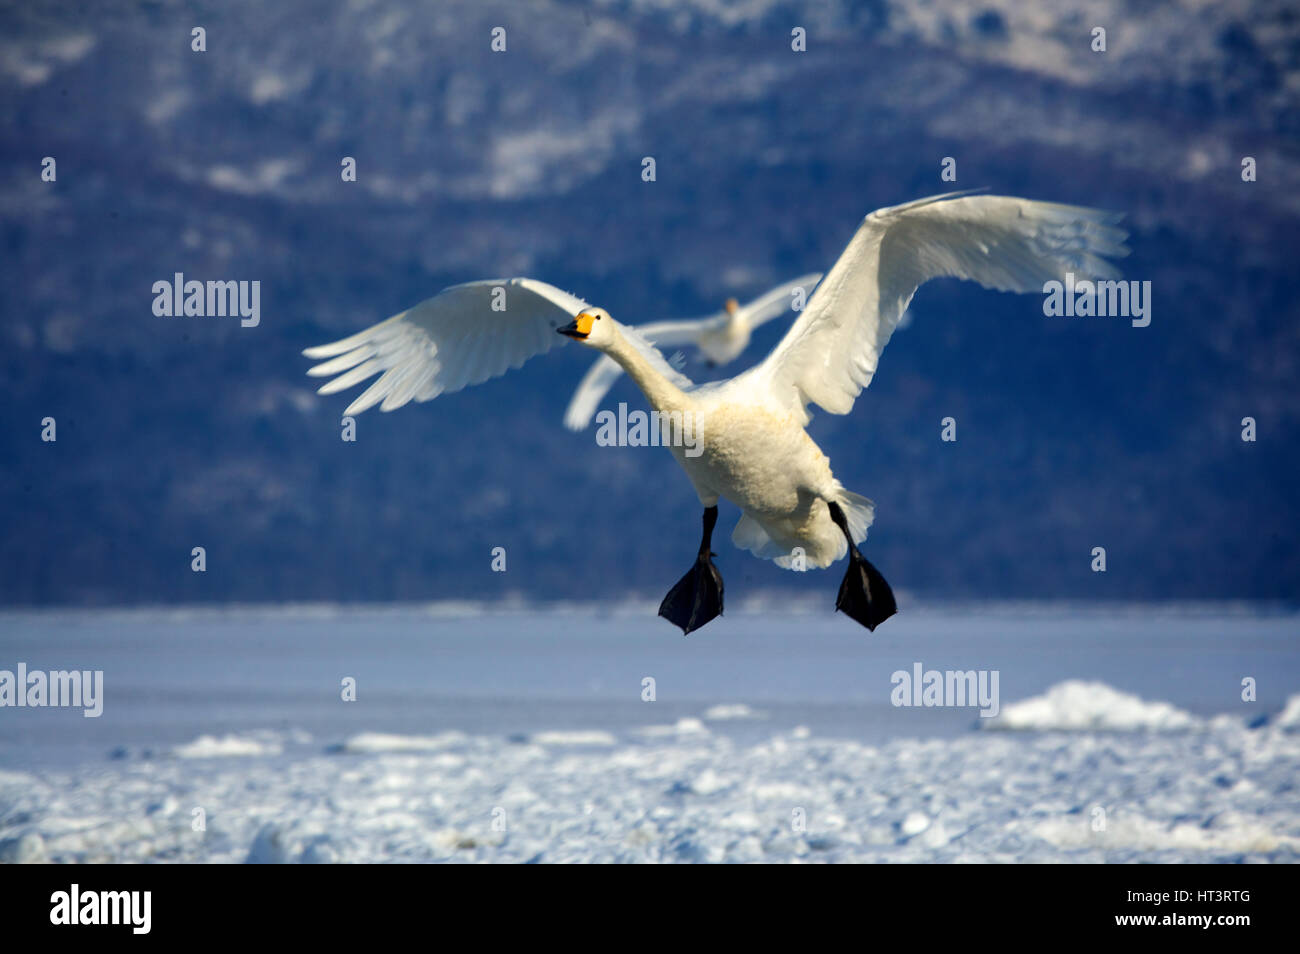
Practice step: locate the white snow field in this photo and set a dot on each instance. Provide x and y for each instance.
(535, 741)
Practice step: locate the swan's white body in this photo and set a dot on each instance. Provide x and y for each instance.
(721, 337)
(756, 451)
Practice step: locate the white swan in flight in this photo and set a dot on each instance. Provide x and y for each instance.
(721, 337)
(750, 431)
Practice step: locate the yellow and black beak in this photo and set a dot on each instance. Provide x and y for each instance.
(579, 328)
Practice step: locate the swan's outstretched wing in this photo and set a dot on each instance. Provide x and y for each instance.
(779, 300)
(453, 340)
(829, 355)
(602, 374)
(593, 387)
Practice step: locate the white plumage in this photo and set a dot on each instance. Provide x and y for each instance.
(464, 335)
(721, 337)
(1003, 243)
(756, 451)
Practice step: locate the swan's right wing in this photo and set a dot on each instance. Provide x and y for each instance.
(604, 371)
(462, 336)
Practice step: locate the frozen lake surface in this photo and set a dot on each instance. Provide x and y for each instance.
(525, 735)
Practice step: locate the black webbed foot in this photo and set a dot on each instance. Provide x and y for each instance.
(697, 597)
(864, 595)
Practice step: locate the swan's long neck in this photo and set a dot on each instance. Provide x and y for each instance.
(662, 394)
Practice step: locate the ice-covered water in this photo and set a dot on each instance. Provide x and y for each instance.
(529, 735)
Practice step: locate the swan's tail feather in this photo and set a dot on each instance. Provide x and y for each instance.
(860, 512)
(750, 535)
(820, 550)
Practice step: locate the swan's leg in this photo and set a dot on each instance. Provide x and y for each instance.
(864, 594)
(697, 597)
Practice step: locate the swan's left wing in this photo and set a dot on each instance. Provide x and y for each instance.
(462, 336)
(830, 353)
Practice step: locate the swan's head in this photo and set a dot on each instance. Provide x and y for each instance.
(732, 306)
(593, 327)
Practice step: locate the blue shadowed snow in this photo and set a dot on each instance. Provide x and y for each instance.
(539, 714)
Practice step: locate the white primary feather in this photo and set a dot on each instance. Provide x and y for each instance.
(448, 342)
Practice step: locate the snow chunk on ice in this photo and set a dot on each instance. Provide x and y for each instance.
(28, 849)
(737, 710)
(370, 742)
(710, 782)
(1076, 705)
(684, 726)
(277, 844)
(1223, 837)
(592, 737)
(1289, 717)
(915, 823)
(227, 746)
